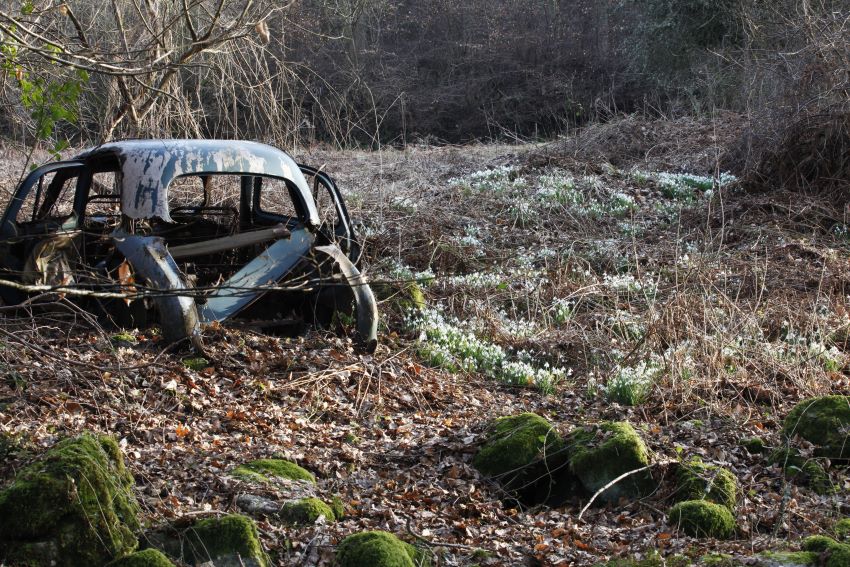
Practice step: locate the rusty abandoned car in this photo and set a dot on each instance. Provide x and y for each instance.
(187, 233)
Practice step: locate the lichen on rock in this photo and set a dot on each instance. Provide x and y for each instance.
(378, 549)
(701, 518)
(696, 480)
(306, 511)
(824, 422)
(263, 470)
(73, 506)
(144, 558)
(527, 455)
(599, 454)
(229, 541)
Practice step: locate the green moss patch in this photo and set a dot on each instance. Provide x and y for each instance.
(402, 296)
(602, 453)
(145, 558)
(842, 530)
(804, 471)
(262, 469)
(830, 552)
(75, 502)
(528, 456)
(701, 518)
(229, 540)
(754, 445)
(696, 480)
(377, 549)
(338, 507)
(306, 511)
(824, 422)
(196, 364)
(788, 558)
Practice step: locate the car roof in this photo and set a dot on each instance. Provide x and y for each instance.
(149, 166)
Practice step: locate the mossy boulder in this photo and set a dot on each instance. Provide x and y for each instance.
(831, 553)
(754, 445)
(144, 558)
(806, 471)
(696, 480)
(701, 518)
(402, 296)
(229, 541)
(824, 422)
(263, 470)
(528, 456)
(786, 559)
(73, 506)
(842, 530)
(338, 507)
(378, 549)
(306, 511)
(599, 454)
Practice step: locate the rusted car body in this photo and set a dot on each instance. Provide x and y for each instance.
(187, 233)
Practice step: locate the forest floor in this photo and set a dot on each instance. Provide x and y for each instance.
(643, 286)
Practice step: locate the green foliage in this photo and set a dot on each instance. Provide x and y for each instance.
(74, 505)
(377, 549)
(260, 471)
(696, 480)
(601, 453)
(51, 95)
(306, 511)
(701, 518)
(824, 422)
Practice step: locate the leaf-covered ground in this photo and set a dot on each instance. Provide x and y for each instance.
(576, 289)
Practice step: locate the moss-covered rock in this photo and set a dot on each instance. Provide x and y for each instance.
(602, 453)
(786, 559)
(378, 549)
(754, 445)
(808, 472)
(261, 470)
(528, 456)
(701, 518)
(73, 506)
(144, 558)
(830, 552)
(338, 507)
(842, 530)
(696, 480)
(306, 511)
(824, 422)
(400, 296)
(229, 541)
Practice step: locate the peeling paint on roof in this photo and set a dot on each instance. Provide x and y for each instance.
(149, 167)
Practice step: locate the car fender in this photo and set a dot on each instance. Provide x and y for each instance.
(150, 259)
(366, 308)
